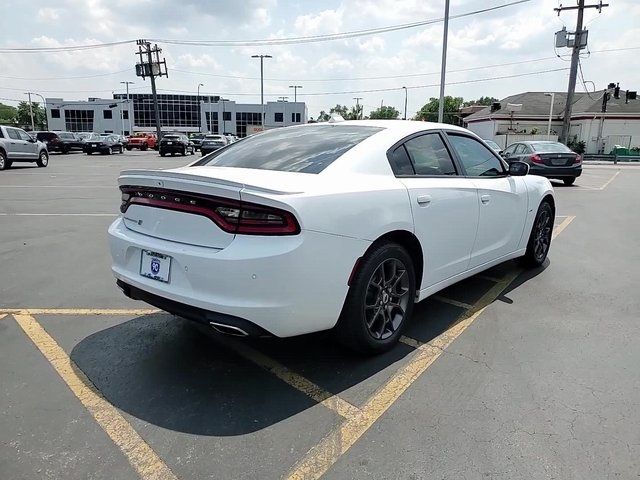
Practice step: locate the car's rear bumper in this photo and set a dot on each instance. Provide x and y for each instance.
(556, 172)
(287, 285)
(172, 148)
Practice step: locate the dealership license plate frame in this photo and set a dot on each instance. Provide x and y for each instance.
(163, 262)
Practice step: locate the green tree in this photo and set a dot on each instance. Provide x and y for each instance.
(384, 113)
(353, 113)
(323, 116)
(23, 116)
(429, 111)
(7, 114)
(486, 101)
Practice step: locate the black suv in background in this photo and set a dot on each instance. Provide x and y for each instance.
(176, 143)
(62, 142)
(196, 139)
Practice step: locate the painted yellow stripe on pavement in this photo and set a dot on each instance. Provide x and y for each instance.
(329, 400)
(80, 311)
(321, 457)
(450, 301)
(2, 315)
(142, 458)
(610, 180)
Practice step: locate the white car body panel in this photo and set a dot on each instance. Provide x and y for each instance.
(291, 285)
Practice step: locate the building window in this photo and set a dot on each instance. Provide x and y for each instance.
(125, 114)
(55, 113)
(246, 118)
(212, 121)
(107, 114)
(78, 120)
(279, 117)
(295, 118)
(226, 116)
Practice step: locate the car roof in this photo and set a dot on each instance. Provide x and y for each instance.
(405, 127)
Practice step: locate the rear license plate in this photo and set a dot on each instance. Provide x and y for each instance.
(558, 161)
(155, 266)
(93, 145)
(169, 143)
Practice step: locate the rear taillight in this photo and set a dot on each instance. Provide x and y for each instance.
(232, 216)
(577, 160)
(536, 159)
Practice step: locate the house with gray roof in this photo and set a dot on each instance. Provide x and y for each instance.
(527, 115)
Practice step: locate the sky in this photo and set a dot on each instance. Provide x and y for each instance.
(519, 33)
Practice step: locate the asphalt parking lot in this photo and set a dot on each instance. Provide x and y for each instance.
(507, 375)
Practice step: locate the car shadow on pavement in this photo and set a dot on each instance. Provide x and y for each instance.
(163, 370)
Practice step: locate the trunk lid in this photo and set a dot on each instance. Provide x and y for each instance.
(560, 159)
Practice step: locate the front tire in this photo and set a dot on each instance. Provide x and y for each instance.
(569, 181)
(144, 147)
(380, 300)
(43, 159)
(162, 154)
(540, 237)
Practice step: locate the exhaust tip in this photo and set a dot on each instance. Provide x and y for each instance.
(228, 329)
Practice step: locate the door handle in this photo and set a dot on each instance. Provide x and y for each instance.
(485, 199)
(424, 200)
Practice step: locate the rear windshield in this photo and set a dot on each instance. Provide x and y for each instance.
(552, 147)
(308, 149)
(170, 137)
(66, 135)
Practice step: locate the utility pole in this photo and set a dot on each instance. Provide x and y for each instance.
(151, 68)
(295, 91)
(443, 66)
(405, 103)
(33, 127)
(358, 113)
(262, 57)
(575, 58)
(127, 83)
(44, 104)
(199, 120)
(284, 106)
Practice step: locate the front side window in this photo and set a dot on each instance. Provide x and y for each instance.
(308, 149)
(510, 149)
(13, 133)
(478, 160)
(24, 136)
(429, 155)
(520, 149)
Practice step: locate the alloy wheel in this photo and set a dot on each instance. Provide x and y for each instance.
(542, 236)
(386, 298)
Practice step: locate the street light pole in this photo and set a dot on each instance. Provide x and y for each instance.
(262, 57)
(33, 127)
(44, 103)
(405, 103)
(443, 67)
(127, 83)
(295, 91)
(357, 99)
(199, 120)
(553, 96)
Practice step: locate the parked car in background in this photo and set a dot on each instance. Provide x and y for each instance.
(211, 143)
(547, 159)
(142, 140)
(84, 135)
(494, 146)
(124, 141)
(16, 145)
(105, 145)
(326, 226)
(62, 142)
(196, 139)
(176, 143)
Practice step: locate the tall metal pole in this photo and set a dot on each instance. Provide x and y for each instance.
(573, 73)
(295, 91)
(33, 127)
(199, 119)
(262, 57)
(405, 103)
(443, 67)
(44, 104)
(224, 121)
(553, 96)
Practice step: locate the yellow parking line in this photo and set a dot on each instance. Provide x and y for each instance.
(450, 301)
(142, 458)
(609, 181)
(329, 400)
(2, 315)
(321, 457)
(491, 279)
(80, 311)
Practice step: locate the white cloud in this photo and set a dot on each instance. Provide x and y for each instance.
(195, 61)
(48, 15)
(332, 63)
(371, 44)
(327, 21)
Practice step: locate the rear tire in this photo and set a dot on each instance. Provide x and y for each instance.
(380, 300)
(4, 162)
(569, 181)
(162, 154)
(43, 159)
(144, 147)
(540, 237)
(183, 152)
(129, 149)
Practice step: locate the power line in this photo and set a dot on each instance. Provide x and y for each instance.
(67, 78)
(69, 48)
(329, 37)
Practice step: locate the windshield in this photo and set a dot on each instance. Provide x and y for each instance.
(308, 149)
(550, 147)
(214, 137)
(492, 144)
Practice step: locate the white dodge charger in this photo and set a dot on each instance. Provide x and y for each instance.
(333, 225)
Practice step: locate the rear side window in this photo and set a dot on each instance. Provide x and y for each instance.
(429, 155)
(400, 162)
(45, 136)
(308, 149)
(478, 160)
(13, 133)
(520, 149)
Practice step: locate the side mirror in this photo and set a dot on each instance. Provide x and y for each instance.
(518, 169)
(505, 154)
